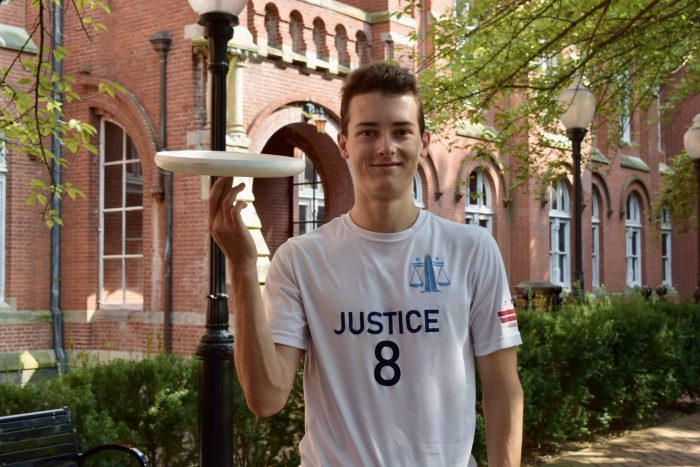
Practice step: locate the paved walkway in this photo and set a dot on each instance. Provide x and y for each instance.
(675, 443)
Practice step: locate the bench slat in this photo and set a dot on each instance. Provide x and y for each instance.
(8, 426)
(44, 443)
(35, 432)
(40, 438)
(31, 456)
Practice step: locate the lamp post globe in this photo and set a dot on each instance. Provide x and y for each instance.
(691, 139)
(215, 348)
(691, 142)
(233, 7)
(578, 105)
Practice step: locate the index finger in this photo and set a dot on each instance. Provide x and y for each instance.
(215, 194)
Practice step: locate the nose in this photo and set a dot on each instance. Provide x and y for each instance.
(385, 144)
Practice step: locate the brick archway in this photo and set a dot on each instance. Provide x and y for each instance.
(274, 197)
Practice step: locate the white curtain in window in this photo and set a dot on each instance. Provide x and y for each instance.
(559, 248)
(478, 208)
(633, 243)
(595, 241)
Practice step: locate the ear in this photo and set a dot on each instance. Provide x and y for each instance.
(426, 144)
(343, 145)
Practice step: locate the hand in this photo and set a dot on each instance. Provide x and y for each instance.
(227, 226)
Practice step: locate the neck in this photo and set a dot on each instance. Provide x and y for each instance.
(384, 217)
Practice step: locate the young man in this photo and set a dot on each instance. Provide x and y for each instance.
(389, 305)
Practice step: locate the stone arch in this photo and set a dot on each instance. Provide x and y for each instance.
(634, 183)
(599, 182)
(280, 131)
(272, 26)
(296, 32)
(125, 109)
(341, 45)
(489, 164)
(319, 36)
(362, 48)
(431, 179)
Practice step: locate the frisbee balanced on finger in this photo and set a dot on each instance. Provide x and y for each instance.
(229, 164)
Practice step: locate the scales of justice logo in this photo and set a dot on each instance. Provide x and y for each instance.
(428, 274)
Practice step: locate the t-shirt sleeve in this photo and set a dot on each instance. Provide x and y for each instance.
(492, 321)
(282, 301)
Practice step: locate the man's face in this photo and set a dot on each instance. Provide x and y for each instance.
(383, 144)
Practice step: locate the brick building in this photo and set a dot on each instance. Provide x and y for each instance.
(288, 60)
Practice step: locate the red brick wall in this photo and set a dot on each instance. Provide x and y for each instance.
(274, 91)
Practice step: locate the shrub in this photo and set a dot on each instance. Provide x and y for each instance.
(584, 369)
(589, 367)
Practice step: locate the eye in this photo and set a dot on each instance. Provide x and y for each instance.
(404, 131)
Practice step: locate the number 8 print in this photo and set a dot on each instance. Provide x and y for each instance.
(387, 362)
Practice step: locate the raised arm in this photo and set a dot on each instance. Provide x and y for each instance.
(265, 370)
(503, 407)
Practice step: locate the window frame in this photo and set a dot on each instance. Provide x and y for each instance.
(123, 256)
(560, 229)
(482, 209)
(633, 241)
(595, 240)
(418, 190)
(307, 198)
(3, 222)
(666, 252)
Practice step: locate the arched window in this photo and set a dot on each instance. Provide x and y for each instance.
(308, 192)
(272, 23)
(341, 45)
(320, 39)
(121, 219)
(595, 239)
(559, 225)
(418, 190)
(362, 48)
(666, 246)
(3, 216)
(296, 31)
(478, 208)
(633, 244)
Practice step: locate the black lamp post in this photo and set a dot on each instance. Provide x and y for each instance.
(215, 349)
(579, 108)
(691, 141)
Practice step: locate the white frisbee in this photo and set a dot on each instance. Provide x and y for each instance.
(229, 164)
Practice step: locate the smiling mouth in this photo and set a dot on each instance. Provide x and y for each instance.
(386, 164)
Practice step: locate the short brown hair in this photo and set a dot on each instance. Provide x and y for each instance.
(384, 78)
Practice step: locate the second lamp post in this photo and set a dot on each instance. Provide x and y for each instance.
(579, 108)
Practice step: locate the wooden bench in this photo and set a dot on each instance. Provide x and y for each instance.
(48, 438)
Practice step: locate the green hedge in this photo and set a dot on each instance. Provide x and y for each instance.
(152, 404)
(584, 369)
(588, 368)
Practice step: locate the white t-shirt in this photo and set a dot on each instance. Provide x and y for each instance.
(390, 324)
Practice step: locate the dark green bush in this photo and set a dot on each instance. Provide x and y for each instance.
(152, 404)
(584, 369)
(588, 368)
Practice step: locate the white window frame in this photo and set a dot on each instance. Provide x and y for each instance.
(559, 232)
(418, 190)
(595, 240)
(3, 221)
(633, 241)
(479, 209)
(661, 144)
(310, 197)
(626, 117)
(123, 303)
(666, 245)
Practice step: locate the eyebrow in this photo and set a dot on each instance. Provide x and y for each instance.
(373, 124)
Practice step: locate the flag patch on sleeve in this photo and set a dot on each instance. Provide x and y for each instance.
(507, 316)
